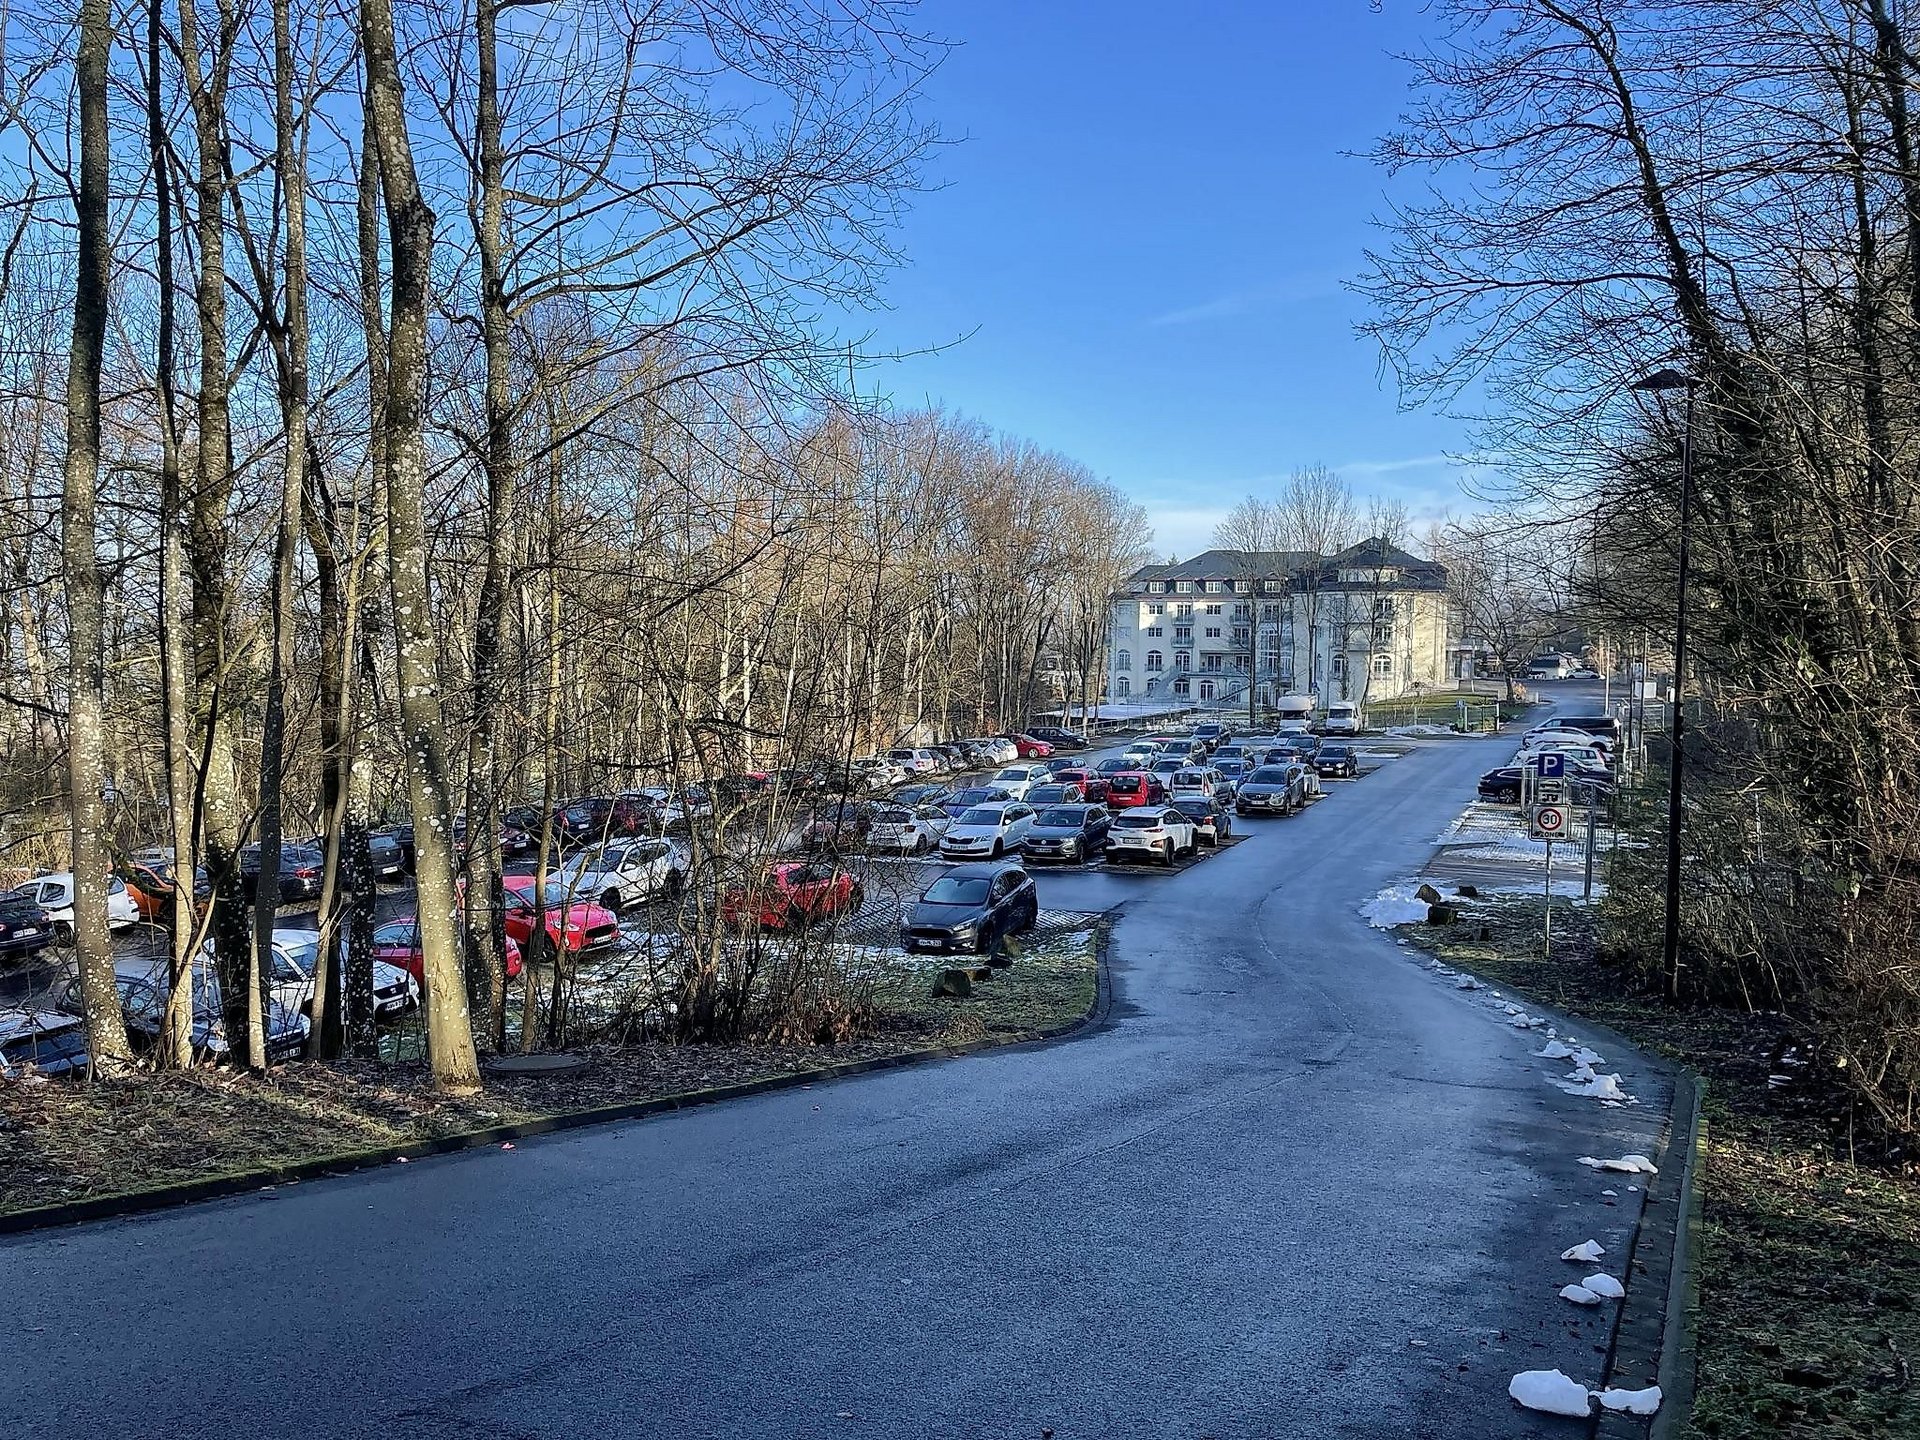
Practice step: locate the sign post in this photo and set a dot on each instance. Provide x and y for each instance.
(1548, 818)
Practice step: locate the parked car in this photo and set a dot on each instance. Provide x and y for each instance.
(970, 909)
(1075, 832)
(1114, 765)
(1130, 788)
(1212, 821)
(989, 830)
(573, 926)
(1057, 763)
(994, 749)
(1168, 766)
(836, 827)
(1211, 735)
(907, 829)
(1058, 738)
(961, 801)
(1184, 747)
(42, 1042)
(1150, 832)
(921, 793)
(917, 761)
(1055, 794)
(150, 886)
(790, 896)
(54, 894)
(300, 871)
(1271, 790)
(956, 755)
(1201, 781)
(1232, 770)
(25, 929)
(1339, 761)
(396, 943)
(1343, 718)
(626, 872)
(143, 1001)
(296, 958)
(1308, 777)
(1139, 754)
(1093, 787)
(1028, 747)
(1303, 743)
(1016, 780)
(1607, 727)
(1502, 786)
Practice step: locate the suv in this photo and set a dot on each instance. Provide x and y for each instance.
(1152, 830)
(1271, 790)
(1212, 736)
(1058, 738)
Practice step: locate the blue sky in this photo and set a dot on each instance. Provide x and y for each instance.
(1145, 228)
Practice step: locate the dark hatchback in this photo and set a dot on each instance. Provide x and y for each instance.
(1337, 762)
(969, 910)
(1068, 832)
(25, 929)
(300, 872)
(1212, 821)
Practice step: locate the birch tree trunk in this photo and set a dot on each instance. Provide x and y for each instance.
(86, 771)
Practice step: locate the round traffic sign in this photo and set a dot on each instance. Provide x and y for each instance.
(1549, 819)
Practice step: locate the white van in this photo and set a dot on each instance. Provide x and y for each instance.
(1343, 718)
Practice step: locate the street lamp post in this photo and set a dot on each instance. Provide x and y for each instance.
(1660, 382)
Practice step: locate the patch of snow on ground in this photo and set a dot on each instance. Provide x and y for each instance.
(1605, 1285)
(1393, 906)
(1634, 1402)
(1420, 730)
(1551, 1392)
(1579, 1295)
(1587, 1252)
(1631, 1164)
(1596, 1087)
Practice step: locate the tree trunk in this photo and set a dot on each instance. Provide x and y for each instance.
(410, 224)
(86, 771)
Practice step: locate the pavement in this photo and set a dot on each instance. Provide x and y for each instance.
(1293, 1185)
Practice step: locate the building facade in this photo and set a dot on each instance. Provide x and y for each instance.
(1369, 623)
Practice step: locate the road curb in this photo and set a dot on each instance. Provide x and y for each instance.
(217, 1187)
(1653, 1334)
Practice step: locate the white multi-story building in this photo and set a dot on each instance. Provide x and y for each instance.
(1368, 623)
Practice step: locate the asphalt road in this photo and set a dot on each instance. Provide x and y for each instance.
(1295, 1186)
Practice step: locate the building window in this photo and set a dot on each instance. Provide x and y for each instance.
(1211, 662)
(1383, 667)
(1213, 587)
(1185, 587)
(1123, 687)
(1243, 587)
(1180, 686)
(1383, 611)
(1156, 609)
(1337, 667)
(1183, 612)
(1241, 612)
(1153, 659)
(1182, 660)
(1242, 636)
(1153, 630)
(1206, 689)
(1183, 633)
(1213, 609)
(1269, 612)
(1123, 660)
(1213, 632)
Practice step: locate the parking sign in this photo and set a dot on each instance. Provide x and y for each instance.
(1553, 765)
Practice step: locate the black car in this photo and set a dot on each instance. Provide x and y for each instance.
(25, 929)
(1058, 738)
(1068, 832)
(961, 801)
(1212, 821)
(301, 867)
(1337, 761)
(922, 794)
(1057, 763)
(1503, 786)
(1211, 735)
(970, 909)
(42, 1042)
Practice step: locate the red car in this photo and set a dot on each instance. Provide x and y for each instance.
(572, 924)
(398, 943)
(788, 896)
(1093, 788)
(1029, 748)
(1134, 787)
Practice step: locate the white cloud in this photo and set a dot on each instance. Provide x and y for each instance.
(1288, 291)
(1182, 530)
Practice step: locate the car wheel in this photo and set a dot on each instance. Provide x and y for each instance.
(994, 854)
(676, 882)
(63, 932)
(1166, 854)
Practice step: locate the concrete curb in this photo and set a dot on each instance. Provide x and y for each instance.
(1653, 1335)
(215, 1187)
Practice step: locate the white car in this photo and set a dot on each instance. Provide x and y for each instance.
(1576, 742)
(917, 762)
(989, 830)
(910, 829)
(994, 749)
(1343, 718)
(1197, 782)
(1016, 780)
(54, 894)
(1151, 832)
(296, 953)
(625, 872)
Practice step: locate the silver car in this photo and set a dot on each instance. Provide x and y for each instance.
(1272, 790)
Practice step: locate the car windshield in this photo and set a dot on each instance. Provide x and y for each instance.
(1230, 768)
(1043, 794)
(957, 890)
(590, 860)
(982, 815)
(1136, 821)
(1016, 773)
(1270, 775)
(395, 935)
(1333, 752)
(296, 962)
(1063, 817)
(558, 893)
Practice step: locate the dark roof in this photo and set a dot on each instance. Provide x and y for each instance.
(1416, 574)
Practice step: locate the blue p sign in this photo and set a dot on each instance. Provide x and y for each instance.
(1553, 766)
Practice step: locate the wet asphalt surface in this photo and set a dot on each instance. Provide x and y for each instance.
(1292, 1186)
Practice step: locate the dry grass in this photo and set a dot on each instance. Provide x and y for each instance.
(63, 1142)
(1810, 1246)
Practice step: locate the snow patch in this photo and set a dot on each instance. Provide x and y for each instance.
(1395, 905)
(1631, 1164)
(1605, 1285)
(1597, 1087)
(1634, 1402)
(1587, 1252)
(1551, 1392)
(1579, 1295)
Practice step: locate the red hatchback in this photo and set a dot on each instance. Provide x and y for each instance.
(1093, 788)
(572, 924)
(1134, 787)
(398, 943)
(789, 896)
(1029, 748)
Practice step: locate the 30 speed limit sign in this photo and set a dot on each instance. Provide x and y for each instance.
(1550, 822)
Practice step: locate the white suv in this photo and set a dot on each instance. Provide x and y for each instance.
(1152, 831)
(624, 872)
(917, 762)
(1016, 780)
